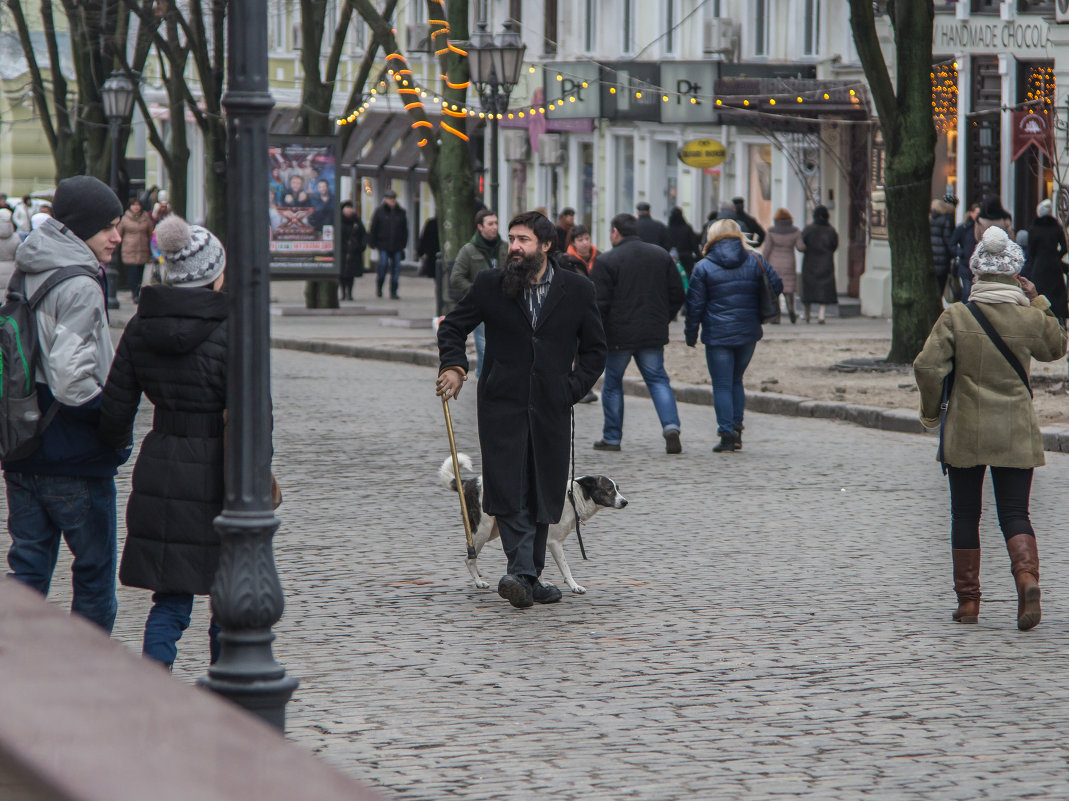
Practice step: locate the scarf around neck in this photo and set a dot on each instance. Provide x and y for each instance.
(995, 292)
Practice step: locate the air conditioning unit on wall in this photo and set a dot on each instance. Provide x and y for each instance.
(550, 152)
(721, 38)
(418, 38)
(514, 144)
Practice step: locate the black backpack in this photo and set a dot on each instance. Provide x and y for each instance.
(21, 422)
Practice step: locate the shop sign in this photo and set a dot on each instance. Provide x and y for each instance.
(587, 103)
(631, 90)
(969, 36)
(703, 153)
(1030, 129)
(690, 87)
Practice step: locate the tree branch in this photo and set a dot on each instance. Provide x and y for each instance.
(37, 84)
(863, 25)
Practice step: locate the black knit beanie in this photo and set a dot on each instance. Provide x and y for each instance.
(86, 205)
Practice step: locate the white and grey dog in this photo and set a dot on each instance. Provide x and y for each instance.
(590, 492)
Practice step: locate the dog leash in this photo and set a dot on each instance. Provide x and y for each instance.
(571, 493)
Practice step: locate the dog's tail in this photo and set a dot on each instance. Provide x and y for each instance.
(445, 472)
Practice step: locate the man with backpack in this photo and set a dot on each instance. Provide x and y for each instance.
(65, 487)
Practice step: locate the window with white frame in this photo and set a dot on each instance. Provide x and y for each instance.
(669, 27)
(276, 26)
(760, 27)
(590, 39)
(358, 32)
(811, 27)
(628, 39)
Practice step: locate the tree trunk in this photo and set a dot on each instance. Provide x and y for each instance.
(905, 116)
(451, 178)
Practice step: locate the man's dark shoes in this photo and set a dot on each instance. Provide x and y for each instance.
(602, 445)
(516, 590)
(672, 443)
(544, 594)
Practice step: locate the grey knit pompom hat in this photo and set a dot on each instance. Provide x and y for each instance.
(192, 256)
(996, 254)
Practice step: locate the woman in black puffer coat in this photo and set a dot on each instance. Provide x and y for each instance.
(174, 350)
(941, 228)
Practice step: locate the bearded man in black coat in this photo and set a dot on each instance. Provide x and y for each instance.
(545, 348)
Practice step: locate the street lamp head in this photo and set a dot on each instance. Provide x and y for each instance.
(481, 57)
(510, 53)
(118, 94)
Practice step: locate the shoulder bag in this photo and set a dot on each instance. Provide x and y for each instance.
(998, 342)
(767, 298)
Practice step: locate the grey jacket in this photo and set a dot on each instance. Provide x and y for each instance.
(72, 320)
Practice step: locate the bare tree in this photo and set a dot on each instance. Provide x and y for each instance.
(905, 116)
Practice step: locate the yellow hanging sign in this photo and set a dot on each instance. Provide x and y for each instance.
(703, 153)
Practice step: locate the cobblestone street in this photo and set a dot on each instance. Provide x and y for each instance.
(773, 623)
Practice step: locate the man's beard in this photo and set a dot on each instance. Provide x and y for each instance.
(519, 272)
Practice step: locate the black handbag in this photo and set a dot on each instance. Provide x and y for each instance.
(944, 403)
(767, 297)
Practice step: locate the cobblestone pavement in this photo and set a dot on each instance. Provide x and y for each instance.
(773, 623)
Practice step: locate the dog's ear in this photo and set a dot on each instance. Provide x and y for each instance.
(588, 483)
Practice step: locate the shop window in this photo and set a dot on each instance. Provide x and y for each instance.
(516, 10)
(625, 173)
(591, 29)
(761, 23)
(945, 6)
(549, 38)
(1036, 7)
(811, 27)
(628, 40)
(985, 6)
(669, 27)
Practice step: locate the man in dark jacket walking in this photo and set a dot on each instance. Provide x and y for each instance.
(747, 223)
(638, 290)
(941, 229)
(66, 488)
(389, 235)
(545, 348)
(650, 230)
(962, 245)
(486, 251)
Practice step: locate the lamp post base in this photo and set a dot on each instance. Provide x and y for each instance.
(247, 675)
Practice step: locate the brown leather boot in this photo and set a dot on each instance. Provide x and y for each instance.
(967, 584)
(1024, 563)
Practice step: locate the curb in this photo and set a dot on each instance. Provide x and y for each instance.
(902, 421)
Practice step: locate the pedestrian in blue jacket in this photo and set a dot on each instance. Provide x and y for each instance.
(723, 300)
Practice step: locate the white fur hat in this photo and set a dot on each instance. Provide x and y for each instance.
(1044, 209)
(996, 254)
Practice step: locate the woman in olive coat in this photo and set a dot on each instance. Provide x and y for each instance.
(990, 420)
(819, 242)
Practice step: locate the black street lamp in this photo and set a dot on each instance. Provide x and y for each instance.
(246, 595)
(495, 66)
(117, 94)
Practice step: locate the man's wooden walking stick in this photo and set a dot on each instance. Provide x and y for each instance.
(456, 477)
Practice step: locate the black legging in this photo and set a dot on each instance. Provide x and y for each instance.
(1012, 488)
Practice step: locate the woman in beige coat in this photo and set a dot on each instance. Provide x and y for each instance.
(136, 251)
(782, 241)
(990, 420)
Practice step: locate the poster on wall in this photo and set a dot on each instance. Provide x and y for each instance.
(303, 208)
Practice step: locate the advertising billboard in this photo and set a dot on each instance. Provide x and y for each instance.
(304, 207)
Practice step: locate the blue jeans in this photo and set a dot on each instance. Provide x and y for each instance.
(41, 509)
(392, 262)
(726, 366)
(480, 347)
(167, 619)
(650, 363)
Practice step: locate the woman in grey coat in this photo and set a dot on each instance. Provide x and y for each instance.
(819, 242)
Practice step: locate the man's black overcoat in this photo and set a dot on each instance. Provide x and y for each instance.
(528, 384)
